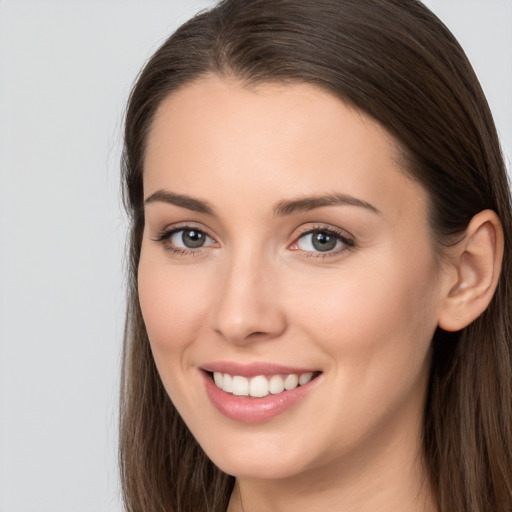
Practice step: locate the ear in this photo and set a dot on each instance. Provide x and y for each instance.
(474, 270)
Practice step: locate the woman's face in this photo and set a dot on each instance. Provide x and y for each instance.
(282, 243)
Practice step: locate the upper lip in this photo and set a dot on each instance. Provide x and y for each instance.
(253, 369)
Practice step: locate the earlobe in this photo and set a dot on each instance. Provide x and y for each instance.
(476, 264)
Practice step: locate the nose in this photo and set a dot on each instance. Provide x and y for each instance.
(247, 305)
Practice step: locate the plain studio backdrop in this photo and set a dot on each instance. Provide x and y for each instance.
(66, 68)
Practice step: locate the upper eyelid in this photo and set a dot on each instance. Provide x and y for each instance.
(342, 233)
(186, 225)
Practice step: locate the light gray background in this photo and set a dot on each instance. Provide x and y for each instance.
(65, 72)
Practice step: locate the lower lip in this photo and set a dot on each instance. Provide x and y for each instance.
(254, 410)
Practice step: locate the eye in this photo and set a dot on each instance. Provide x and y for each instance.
(189, 239)
(322, 241)
(184, 240)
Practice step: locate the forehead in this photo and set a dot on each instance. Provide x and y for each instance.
(270, 140)
(215, 105)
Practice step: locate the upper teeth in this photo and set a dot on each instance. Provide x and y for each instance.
(260, 385)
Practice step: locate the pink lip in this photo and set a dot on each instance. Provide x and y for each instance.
(255, 410)
(252, 369)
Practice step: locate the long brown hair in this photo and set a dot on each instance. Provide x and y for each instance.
(394, 60)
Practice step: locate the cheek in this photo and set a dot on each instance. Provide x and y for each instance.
(173, 303)
(376, 331)
(376, 326)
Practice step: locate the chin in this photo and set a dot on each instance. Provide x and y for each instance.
(256, 469)
(261, 461)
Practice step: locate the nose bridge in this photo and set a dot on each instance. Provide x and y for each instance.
(247, 305)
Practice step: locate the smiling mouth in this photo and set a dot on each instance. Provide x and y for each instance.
(261, 386)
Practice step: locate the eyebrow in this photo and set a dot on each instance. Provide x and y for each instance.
(305, 204)
(183, 201)
(281, 209)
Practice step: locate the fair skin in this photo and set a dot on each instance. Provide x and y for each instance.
(357, 307)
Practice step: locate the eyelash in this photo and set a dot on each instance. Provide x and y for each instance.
(348, 243)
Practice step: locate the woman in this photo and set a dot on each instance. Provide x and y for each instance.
(319, 311)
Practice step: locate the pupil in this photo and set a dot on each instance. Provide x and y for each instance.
(192, 238)
(323, 242)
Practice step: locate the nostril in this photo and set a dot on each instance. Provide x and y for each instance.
(257, 334)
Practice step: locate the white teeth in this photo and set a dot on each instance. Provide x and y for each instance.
(259, 386)
(219, 379)
(240, 386)
(304, 378)
(227, 383)
(291, 382)
(276, 384)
